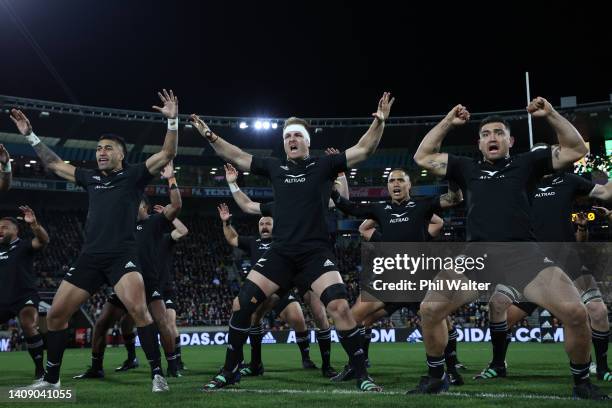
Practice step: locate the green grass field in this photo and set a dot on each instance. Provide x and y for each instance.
(539, 376)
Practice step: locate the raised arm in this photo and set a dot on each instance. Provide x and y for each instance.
(6, 172)
(602, 192)
(351, 208)
(176, 203)
(435, 225)
(367, 228)
(49, 159)
(225, 150)
(180, 230)
(428, 154)
(41, 238)
(453, 197)
(244, 202)
(168, 152)
(231, 236)
(571, 145)
(340, 184)
(369, 141)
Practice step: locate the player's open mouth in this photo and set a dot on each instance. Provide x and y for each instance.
(102, 160)
(493, 148)
(265, 231)
(397, 191)
(293, 148)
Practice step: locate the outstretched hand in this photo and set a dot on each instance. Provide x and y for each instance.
(170, 104)
(231, 174)
(384, 107)
(21, 121)
(224, 213)
(28, 214)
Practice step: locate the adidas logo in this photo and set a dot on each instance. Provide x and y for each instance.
(268, 339)
(546, 325)
(548, 337)
(156, 293)
(129, 265)
(545, 313)
(388, 207)
(168, 302)
(415, 337)
(547, 260)
(68, 274)
(328, 263)
(71, 269)
(29, 302)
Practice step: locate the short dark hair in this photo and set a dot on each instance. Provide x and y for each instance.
(11, 219)
(118, 139)
(494, 119)
(402, 170)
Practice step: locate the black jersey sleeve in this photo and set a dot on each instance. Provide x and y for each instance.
(244, 243)
(540, 161)
(262, 166)
(582, 186)
(161, 223)
(336, 164)
(354, 209)
(458, 170)
(81, 175)
(267, 209)
(140, 174)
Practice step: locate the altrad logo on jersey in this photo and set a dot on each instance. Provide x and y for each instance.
(544, 192)
(295, 178)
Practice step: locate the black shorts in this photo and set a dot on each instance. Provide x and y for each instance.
(513, 266)
(169, 294)
(391, 308)
(289, 267)
(11, 310)
(90, 271)
(283, 303)
(526, 307)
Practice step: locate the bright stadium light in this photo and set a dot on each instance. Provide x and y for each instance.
(243, 125)
(388, 168)
(274, 125)
(246, 173)
(266, 125)
(27, 165)
(258, 124)
(33, 161)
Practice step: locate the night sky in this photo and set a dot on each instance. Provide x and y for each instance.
(308, 59)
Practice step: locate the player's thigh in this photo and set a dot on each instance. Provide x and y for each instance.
(66, 301)
(552, 289)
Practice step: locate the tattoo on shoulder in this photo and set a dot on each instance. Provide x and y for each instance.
(436, 164)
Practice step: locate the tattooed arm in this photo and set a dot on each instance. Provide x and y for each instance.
(453, 197)
(428, 154)
(49, 159)
(571, 144)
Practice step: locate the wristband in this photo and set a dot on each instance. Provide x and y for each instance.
(228, 222)
(341, 174)
(32, 139)
(173, 123)
(233, 187)
(6, 168)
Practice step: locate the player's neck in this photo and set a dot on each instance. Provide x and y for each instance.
(397, 202)
(115, 170)
(298, 160)
(490, 161)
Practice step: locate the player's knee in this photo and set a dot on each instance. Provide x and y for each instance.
(139, 313)
(249, 298)
(337, 291)
(339, 309)
(432, 312)
(598, 313)
(56, 320)
(574, 314)
(499, 303)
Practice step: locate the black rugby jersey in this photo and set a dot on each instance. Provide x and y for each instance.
(113, 207)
